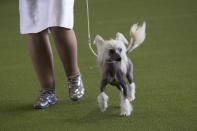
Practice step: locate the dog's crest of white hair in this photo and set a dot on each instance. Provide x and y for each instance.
(119, 42)
(102, 101)
(120, 37)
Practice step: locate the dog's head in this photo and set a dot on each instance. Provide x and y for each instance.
(111, 51)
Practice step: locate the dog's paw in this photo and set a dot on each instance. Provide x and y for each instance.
(126, 107)
(131, 99)
(131, 92)
(102, 101)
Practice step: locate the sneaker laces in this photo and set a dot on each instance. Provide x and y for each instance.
(44, 93)
(74, 81)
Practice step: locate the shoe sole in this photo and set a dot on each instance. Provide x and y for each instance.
(43, 107)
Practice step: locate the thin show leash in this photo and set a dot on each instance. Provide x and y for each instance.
(89, 33)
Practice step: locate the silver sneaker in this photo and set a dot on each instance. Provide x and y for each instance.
(45, 99)
(76, 88)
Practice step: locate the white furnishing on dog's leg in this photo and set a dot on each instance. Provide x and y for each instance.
(126, 107)
(131, 92)
(102, 101)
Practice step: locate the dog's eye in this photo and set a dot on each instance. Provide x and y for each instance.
(111, 51)
(120, 49)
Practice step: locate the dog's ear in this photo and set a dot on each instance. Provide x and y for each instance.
(121, 37)
(98, 40)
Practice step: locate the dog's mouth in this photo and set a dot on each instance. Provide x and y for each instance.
(114, 60)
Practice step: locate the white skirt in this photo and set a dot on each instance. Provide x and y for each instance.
(37, 15)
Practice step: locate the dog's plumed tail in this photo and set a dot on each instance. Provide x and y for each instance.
(138, 35)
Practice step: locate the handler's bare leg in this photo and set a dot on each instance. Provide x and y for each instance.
(66, 44)
(42, 59)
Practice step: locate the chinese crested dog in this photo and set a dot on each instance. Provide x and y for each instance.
(117, 68)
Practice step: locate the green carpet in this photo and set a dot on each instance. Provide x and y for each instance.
(165, 70)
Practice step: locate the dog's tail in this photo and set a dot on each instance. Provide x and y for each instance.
(138, 35)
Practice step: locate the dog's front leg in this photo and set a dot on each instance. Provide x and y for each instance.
(122, 83)
(102, 97)
(126, 107)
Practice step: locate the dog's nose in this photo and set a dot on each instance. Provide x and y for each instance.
(112, 51)
(119, 59)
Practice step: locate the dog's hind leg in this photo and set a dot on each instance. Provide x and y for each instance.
(102, 97)
(131, 85)
(131, 91)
